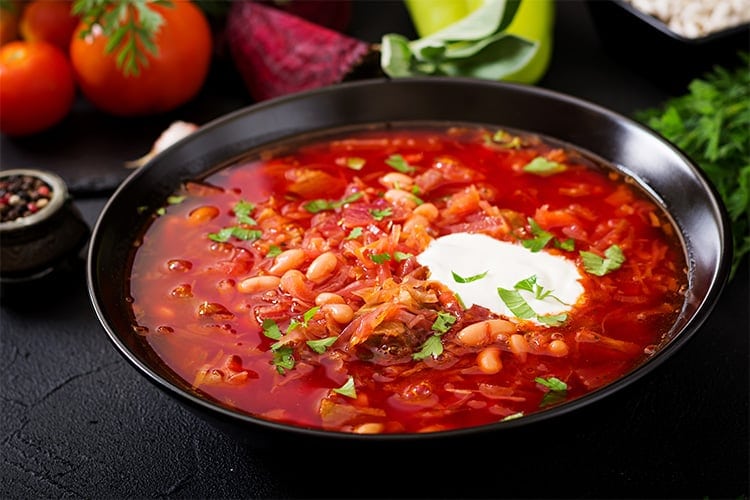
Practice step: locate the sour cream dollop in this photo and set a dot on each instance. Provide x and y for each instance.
(501, 264)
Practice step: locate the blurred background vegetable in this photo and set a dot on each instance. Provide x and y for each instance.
(136, 57)
(507, 40)
(36, 87)
(711, 124)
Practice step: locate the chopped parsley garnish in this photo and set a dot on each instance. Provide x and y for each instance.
(347, 389)
(354, 162)
(443, 322)
(306, 317)
(558, 390)
(242, 211)
(540, 239)
(397, 162)
(468, 279)
(273, 251)
(175, 200)
(354, 233)
(599, 266)
(319, 205)
(543, 166)
(380, 258)
(283, 359)
(379, 215)
(399, 256)
(506, 140)
(241, 233)
(433, 346)
(320, 345)
(513, 416)
(521, 309)
(283, 356)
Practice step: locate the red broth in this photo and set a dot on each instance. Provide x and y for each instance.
(287, 285)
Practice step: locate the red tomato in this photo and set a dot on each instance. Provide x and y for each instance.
(37, 87)
(166, 81)
(48, 21)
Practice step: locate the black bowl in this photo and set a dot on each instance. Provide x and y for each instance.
(662, 169)
(651, 48)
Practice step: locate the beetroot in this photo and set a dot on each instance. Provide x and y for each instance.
(332, 14)
(278, 53)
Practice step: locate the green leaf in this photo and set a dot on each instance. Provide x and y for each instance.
(474, 46)
(319, 205)
(599, 266)
(540, 239)
(552, 383)
(380, 258)
(443, 322)
(468, 279)
(397, 162)
(544, 167)
(433, 346)
(320, 345)
(273, 251)
(347, 389)
(399, 256)
(379, 215)
(240, 233)
(283, 359)
(517, 304)
(355, 163)
(271, 329)
(242, 210)
(354, 233)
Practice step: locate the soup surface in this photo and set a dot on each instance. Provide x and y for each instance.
(407, 280)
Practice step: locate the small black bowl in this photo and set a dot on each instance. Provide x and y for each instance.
(650, 47)
(675, 183)
(37, 243)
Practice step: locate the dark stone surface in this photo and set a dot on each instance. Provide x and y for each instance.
(76, 421)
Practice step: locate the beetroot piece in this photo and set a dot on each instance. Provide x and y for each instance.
(278, 53)
(332, 14)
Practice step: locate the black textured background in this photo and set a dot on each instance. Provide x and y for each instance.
(76, 421)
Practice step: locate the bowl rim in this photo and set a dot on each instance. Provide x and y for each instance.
(707, 303)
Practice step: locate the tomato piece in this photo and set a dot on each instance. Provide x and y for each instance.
(37, 87)
(164, 82)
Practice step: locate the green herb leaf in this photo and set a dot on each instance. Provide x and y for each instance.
(380, 258)
(710, 123)
(443, 322)
(469, 279)
(599, 266)
(355, 163)
(273, 251)
(433, 346)
(283, 359)
(544, 167)
(558, 390)
(320, 345)
(315, 206)
(240, 233)
(517, 304)
(175, 200)
(513, 416)
(399, 256)
(475, 46)
(129, 25)
(271, 329)
(379, 215)
(242, 211)
(397, 162)
(347, 389)
(354, 233)
(540, 239)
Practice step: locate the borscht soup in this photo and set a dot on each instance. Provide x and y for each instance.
(407, 279)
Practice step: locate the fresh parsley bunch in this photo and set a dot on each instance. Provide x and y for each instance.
(711, 124)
